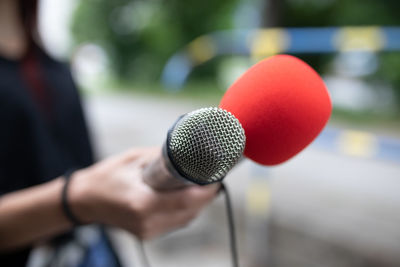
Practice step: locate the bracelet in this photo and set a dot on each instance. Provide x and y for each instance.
(64, 199)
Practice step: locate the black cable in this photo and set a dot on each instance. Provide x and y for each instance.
(231, 227)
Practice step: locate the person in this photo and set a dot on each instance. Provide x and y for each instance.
(44, 135)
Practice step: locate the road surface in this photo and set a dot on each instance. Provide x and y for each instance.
(347, 201)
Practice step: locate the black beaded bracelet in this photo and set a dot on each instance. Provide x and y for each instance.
(64, 199)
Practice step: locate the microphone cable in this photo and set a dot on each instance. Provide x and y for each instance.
(231, 227)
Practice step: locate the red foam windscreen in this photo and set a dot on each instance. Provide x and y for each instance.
(282, 104)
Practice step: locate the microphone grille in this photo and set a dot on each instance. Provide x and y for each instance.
(205, 144)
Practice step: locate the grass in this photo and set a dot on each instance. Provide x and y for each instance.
(376, 122)
(206, 92)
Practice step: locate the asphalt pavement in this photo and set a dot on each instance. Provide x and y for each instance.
(350, 200)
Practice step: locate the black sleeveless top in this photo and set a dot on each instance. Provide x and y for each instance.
(42, 127)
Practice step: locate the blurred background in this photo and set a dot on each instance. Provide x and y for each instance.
(142, 63)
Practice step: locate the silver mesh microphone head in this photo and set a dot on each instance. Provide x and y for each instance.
(205, 144)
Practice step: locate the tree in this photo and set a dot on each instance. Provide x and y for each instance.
(140, 35)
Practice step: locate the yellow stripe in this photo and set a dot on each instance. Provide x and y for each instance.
(360, 38)
(357, 143)
(258, 198)
(268, 42)
(201, 50)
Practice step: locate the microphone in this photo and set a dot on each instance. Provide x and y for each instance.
(201, 147)
(282, 104)
(271, 113)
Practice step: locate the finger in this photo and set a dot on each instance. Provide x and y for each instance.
(164, 222)
(138, 153)
(205, 191)
(186, 198)
(141, 157)
(122, 158)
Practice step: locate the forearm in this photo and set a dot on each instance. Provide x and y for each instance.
(111, 192)
(31, 214)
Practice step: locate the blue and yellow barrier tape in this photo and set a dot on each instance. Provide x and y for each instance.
(359, 144)
(260, 43)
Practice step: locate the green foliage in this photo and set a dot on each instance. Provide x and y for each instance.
(302, 13)
(390, 71)
(140, 35)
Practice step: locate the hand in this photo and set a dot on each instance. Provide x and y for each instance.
(112, 192)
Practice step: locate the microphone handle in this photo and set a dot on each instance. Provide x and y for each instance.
(161, 175)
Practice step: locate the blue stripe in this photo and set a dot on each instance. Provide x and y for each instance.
(311, 40)
(392, 35)
(387, 148)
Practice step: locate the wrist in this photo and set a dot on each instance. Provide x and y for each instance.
(78, 197)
